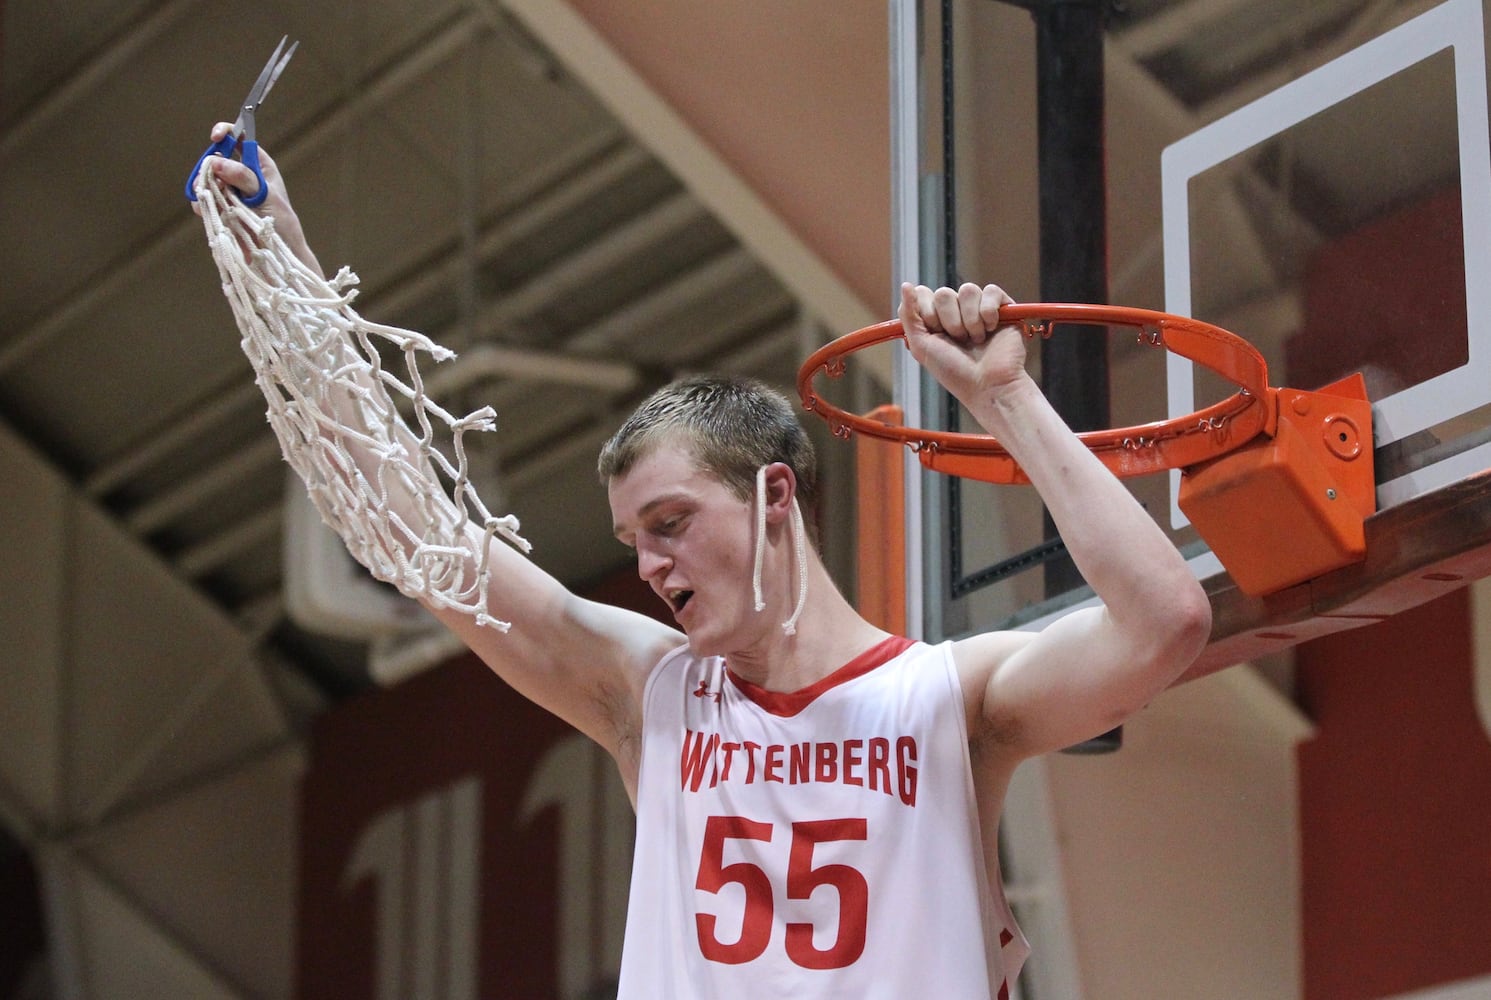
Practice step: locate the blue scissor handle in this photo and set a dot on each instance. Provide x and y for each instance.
(224, 147)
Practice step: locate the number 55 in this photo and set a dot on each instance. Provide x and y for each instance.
(802, 879)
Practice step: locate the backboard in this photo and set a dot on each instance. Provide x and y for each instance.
(1313, 177)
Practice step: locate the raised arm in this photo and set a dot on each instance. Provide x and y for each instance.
(1093, 668)
(583, 661)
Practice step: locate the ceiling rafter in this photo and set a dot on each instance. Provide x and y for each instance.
(196, 418)
(115, 54)
(244, 463)
(606, 253)
(1172, 25)
(81, 300)
(253, 532)
(1373, 19)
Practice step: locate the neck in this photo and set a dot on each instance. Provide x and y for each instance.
(829, 634)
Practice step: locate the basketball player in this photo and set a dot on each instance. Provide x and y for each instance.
(817, 801)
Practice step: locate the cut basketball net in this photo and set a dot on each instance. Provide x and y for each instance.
(329, 398)
(1278, 482)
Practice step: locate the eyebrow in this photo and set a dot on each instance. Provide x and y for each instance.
(647, 508)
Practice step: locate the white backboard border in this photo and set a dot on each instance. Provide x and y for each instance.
(1456, 25)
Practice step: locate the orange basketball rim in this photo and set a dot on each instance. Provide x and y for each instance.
(1277, 481)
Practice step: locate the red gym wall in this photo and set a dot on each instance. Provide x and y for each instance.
(1396, 787)
(435, 818)
(1395, 804)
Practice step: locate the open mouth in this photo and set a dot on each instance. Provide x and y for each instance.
(679, 599)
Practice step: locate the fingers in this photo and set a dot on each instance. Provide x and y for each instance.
(230, 170)
(234, 174)
(991, 301)
(968, 313)
(916, 310)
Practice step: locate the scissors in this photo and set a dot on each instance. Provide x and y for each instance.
(243, 127)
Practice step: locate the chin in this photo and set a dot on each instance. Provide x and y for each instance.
(705, 641)
(716, 643)
(702, 646)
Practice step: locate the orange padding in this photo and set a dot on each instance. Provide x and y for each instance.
(1284, 509)
(881, 481)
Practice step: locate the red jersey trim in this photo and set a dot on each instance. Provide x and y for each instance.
(788, 703)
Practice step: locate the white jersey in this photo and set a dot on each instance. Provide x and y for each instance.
(823, 843)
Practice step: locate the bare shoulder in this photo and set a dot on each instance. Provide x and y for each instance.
(977, 659)
(584, 661)
(633, 642)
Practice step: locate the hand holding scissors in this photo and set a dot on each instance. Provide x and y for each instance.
(241, 135)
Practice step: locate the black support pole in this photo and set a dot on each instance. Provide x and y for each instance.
(1073, 217)
(1073, 230)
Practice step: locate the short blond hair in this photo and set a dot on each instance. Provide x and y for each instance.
(731, 426)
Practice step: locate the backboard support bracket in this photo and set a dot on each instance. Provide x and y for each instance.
(1419, 550)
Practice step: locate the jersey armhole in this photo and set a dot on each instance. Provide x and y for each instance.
(647, 689)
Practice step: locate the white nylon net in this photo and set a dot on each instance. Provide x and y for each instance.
(369, 473)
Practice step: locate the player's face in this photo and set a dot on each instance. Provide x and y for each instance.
(692, 537)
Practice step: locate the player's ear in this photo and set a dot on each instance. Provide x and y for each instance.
(781, 488)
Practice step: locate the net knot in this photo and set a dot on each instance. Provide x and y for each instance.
(344, 278)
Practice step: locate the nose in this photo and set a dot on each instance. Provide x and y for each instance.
(651, 562)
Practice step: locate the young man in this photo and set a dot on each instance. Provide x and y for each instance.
(818, 801)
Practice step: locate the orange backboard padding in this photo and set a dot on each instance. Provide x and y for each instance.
(881, 480)
(1284, 509)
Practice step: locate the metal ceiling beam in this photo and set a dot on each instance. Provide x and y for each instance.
(1173, 25)
(174, 946)
(559, 186)
(536, 213)
(261, 529)
(169, 505)
(177, 431)
(127, 271)
(753, 354)
(730, 328)
(1122, 60)
(165, 730)
(609, 252)
(708, 278)
(587, 443)
(590, 59)
(553, 461)
(1373, 20)
(1125, 73)
(489, 361)
(292, 749)
(118, 52)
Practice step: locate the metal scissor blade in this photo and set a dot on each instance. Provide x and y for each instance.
(278, 69)
(270, 73)
(240, 138)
